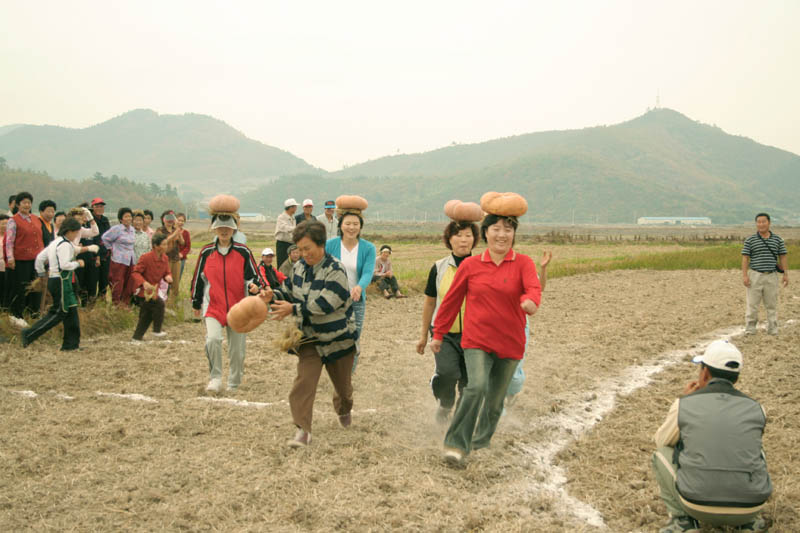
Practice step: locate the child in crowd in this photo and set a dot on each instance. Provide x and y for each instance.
(60, 257)
(149, 271)
(267, 269)
(384, 274)
(288, 265)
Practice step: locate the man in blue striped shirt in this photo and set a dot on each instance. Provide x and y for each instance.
(763, 258)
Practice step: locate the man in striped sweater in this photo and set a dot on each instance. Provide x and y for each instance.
(763, 259)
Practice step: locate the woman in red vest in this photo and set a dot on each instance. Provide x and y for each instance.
(23, 243)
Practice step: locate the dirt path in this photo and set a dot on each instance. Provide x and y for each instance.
(183, 461)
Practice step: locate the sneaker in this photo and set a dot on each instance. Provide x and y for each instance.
(442, 415)
(681, 524)
(18, 322)
(301, 439)
(453, 456)
(759, 525)
(214, 385)
(159, 334)
(346, 420)
(135, 342)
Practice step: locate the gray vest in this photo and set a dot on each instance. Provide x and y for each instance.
(719, 455)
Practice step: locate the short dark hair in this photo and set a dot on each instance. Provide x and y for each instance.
(165, 213)
(138, 213)
(385, 247)
(341, 219)
(179, 215)
(313, 229)
(455, 227)
(3, 216)
(69, 224)
(763, 215)
(723, 374)
(59, 214)
(122, 211)
(12, 198)
(23, 195)
(44, 204)
(148, 212)
(490, 220)
(84, 204)
(158, 238)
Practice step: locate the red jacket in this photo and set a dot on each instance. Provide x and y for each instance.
(151, 268)
(220, 281)
(493, 322)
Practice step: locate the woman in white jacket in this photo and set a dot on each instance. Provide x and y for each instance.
(62, 263)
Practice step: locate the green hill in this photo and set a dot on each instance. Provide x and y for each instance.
(196, 153)
(117, 192)
(659, 164)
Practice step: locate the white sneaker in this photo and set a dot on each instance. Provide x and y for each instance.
(215, 385)
(18, 322)
(134, 342)
(453, 456)
(160, 334)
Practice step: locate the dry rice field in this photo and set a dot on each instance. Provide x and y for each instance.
(120, 437)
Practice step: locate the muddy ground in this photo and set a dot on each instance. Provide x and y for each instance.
(72, 458)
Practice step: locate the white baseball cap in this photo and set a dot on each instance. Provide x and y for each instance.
(267, 251)
(290, 202)
(307, 202)
(721, 355)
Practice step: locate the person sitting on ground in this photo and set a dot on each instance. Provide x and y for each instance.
(149, 271)
(267, 269)
(288, 265)
(60, 258)
(709, 464)
(384, 275)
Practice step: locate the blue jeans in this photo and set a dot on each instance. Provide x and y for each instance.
(359, 308)
(518, 379)
(488, 379)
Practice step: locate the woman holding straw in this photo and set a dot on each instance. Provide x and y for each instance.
(356, 254)
(500, 287)
(317, 296)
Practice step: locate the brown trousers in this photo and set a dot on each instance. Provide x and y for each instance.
(304, 388)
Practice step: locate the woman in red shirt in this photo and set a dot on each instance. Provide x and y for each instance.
(501, 287)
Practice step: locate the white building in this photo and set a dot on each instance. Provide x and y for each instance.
(673, 221)
(252, 217)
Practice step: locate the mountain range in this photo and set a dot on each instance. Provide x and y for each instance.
(661, 163)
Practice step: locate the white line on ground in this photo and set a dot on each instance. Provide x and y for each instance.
(134, 397)
(581, 412)
(238, 403)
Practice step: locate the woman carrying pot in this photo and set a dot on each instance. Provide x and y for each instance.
(460, 237)
(501, 288)
(356, 254)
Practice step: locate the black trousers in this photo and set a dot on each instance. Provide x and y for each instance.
(72, 326)
(149, 311)
(97, 279)
(281, 252)
(21, 276)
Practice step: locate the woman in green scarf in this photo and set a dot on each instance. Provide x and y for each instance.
(60, 258)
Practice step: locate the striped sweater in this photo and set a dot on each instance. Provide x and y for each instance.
(322, 306)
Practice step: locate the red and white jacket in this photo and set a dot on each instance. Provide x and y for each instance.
(221, 280)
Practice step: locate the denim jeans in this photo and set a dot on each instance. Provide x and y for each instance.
(359, 308)
(484, 394)
(518, 379)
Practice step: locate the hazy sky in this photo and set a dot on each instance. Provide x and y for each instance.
(338, 82)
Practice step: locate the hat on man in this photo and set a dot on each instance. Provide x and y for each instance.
(267, 251)
(308, 202)
(289, 202)
(721, 355)
(98, 201)
(330, 204)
